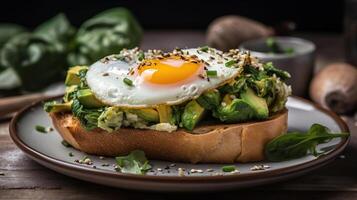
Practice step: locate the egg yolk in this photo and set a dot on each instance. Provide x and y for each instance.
(169, 70)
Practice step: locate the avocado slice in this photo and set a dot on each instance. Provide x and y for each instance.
(210, 99)
(72, 77)
(192, 114)
(165, 113)
(87, 98)
(53, 106)
(148, 114)
(257, 103)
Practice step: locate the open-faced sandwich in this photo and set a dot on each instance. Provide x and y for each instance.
(192, 105)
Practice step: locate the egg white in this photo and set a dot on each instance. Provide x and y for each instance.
(105, 80)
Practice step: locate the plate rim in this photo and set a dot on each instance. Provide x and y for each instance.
(186, 179)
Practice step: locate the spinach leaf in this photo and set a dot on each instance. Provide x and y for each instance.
(88, 117)
(270, 69)
(36, 61)
(104, 34)
(9, 30)
(56, 29)
(134, 163)
(295, 145)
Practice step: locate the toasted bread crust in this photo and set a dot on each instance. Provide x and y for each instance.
(223, 143)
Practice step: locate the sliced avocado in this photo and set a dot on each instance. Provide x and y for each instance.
(87, 98)
(257, 103)
(148, 114)
(69, 91)
(165, 113)
(72, 77)
(192, 114)
(210, 99)
(53, 106)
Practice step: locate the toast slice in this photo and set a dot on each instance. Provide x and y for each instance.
(216, 143)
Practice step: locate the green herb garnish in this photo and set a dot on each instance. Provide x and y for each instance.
(65, 143)
(204, 49)
(230, 63)
(298, 144)
(43, 129)
(134, 163)
(211, 73)
(128, 81)
(228, 168)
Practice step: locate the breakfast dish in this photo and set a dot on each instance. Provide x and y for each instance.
(47, 150)
(192, 105)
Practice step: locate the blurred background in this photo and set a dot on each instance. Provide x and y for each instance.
(326, 16)
(39, 45)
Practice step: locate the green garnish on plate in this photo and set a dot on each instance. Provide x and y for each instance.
(134, 163)
(298, 144)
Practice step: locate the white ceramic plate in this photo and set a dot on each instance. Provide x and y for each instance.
(47, 150)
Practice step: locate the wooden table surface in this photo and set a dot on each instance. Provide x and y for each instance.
(22, 178)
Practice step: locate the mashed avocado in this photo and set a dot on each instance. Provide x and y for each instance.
(111, 119)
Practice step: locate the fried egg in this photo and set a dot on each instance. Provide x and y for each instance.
(134, 79)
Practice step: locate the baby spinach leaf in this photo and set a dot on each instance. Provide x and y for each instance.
(9, 30)
(134, 163)
(104, 34)
(36, 61)
(56, 29)
(297, 144)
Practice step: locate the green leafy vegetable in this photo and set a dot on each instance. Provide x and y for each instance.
(57, 29)
(235, 87)
(270, 69)
(9, 30)
(87, 117)
(229, 168)
(134, 163)
(104, 34)
(37, 61)
(296, 144)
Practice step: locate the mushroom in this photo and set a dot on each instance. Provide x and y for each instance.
(335, 87)
(228, 32)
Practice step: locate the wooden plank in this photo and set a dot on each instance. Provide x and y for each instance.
(110, 193)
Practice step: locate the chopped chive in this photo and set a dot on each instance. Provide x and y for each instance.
(141, 56)
(230, 63)
(128, 81)
(65, 143)
(42, 129)
(211, 73)
(229, 168)
(204, 48)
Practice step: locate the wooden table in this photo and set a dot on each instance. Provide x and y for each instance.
(22, 178)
